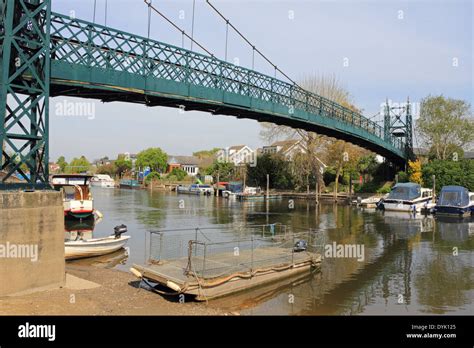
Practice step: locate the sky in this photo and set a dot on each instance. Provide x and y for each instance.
(377, 49)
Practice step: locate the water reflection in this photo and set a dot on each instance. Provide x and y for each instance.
(409, 265)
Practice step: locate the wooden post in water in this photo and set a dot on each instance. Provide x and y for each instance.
(307, 185)
(217, 185)
(434, 188)
(268, 187)
(317, 191)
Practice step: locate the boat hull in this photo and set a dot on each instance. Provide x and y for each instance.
(458, 211)
(93, 247)
(406, 206)
(78, 209)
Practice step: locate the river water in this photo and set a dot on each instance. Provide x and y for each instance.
(411, 265)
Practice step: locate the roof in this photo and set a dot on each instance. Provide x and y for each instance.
(407, 184)
(186, 160)
(454, 188)
(237, 147)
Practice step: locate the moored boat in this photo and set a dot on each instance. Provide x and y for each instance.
(130, 184)
(455, 200)
(81, 248)
(77, 198)
(102, 180)
(408, 197)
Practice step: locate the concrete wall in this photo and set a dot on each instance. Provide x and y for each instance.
(31, 241)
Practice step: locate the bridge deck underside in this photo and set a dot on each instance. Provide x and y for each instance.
(315, 123)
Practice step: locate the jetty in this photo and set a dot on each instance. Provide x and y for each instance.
(215, 266)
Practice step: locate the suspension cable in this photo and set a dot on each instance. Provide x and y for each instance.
(105, 13)
(226, 38)
(192, 26)
(249, 43)
(148, 2)
(149, 19)
(95, 5)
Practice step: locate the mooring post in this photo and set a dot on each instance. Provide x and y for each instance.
(434, 188)
(217, 184)
(268, 186)
(317, 191)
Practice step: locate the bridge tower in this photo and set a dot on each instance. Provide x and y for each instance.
(398, 125)
(24, 92)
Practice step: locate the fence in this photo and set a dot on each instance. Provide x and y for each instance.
(215, 252)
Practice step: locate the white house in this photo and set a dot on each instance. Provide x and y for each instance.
(238, 154)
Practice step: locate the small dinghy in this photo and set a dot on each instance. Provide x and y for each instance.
(82, 248)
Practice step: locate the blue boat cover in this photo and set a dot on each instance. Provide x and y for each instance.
(454, 196)
(405, 191)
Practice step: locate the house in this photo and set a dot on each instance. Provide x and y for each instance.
(190, 164)
(237, 154)
(54, 167)
(287, 148)
(102, 162)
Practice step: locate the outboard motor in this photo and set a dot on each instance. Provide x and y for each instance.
(300, 245)
(119, 230)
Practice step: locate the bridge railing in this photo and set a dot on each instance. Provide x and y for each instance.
(81, 42)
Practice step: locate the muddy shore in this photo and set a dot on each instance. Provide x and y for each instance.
(96, 291)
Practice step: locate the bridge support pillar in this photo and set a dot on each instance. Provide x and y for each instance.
(24, 93)
(31, 241)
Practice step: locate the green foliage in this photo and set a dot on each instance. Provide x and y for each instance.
(403, 176)
(276, 166)
(122, 165)
(177, 174)
(445, 124)
(78, 165)
(61, 162)
(109, 169)
(152, 176)
(154, 157)
(373, 187)
(449, 173)
(205, 153)
(225, 170)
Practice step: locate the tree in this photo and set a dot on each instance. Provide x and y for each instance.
(153, 157)
(206, 153)
(178, 173)
(109, 169)
(274, 165)
(445, 124)
(414, 172)
(225, 170)
(122, 165)
(61, 162)
(449, 173)
(314, 144)
(367, 166)
(79, 165)
(342, 156)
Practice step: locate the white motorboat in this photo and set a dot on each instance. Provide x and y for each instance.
(77, 198)
(102, 180)
(408, 197)
(77, 249)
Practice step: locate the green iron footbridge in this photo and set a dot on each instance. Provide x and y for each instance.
(46, 54)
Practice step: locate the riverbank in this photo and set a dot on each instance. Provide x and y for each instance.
(95, 291)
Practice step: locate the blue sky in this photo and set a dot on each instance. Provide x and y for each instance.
(394, 48)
